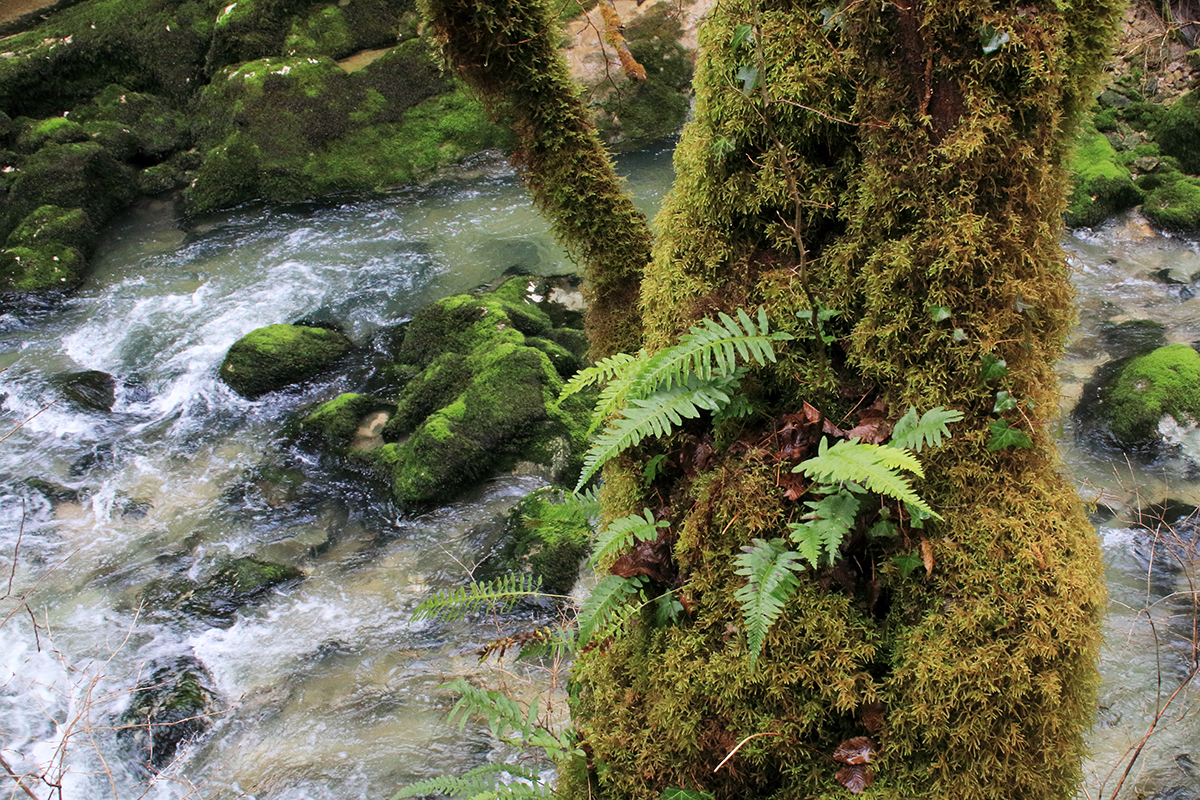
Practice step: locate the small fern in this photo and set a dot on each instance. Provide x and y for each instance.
(506, 722)
(499, 595)
(877, 467)
(769, 568)
(604, 603)
(656, 416)
(488, 782)
(928, 431)
(621, 533)
(820, 537)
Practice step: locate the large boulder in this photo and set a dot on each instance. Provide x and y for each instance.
(271, 358)
(1148, 389)
(480, 376)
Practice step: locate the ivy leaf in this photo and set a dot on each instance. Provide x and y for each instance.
(1004, 402)
(993, 368)
(939, 313)
(883, 530)
(741, 36)
(1004, 435)
(959, 335)
(906, 563)
(992, 39)
(748, 75)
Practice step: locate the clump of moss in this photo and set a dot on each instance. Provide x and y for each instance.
(338, 30)
(1102, 185)
(1164, 382)
(135, 126)
(270, 358)
(56, 130)
(82, 175)
(1178, 132)
(48, 250)
(1175, 205)
(541, 537)
(335, 422)
(293, 128)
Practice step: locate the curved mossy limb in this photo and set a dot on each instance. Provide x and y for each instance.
(1164, 382)
(276, 356)
(508, 51)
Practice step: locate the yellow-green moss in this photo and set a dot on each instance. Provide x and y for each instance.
(270, 358)
(1164, 382)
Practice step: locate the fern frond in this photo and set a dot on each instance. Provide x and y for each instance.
(820, 537)
(484, 782)
(621, 533)
(708, 349)
(657, 415)
(498, 595)
(605, 600)
(602, 371)
(769, 568)
(928, 431)
(874, 466)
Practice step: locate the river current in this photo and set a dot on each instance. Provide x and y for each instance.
(326, 689)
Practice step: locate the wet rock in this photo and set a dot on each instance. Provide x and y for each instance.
(100, 456)
(336, 424)
(1132, 337)
(233, 583)
(271, 358)
(541, 537)
(89, 389)
(172, 707)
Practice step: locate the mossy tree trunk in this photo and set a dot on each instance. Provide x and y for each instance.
(900, 163)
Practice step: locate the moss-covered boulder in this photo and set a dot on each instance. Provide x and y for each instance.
(77, 175)
(294, 128)
(1175, 205)
(479, 376)
(1103, 186)
(276, 356)
(1178, 132)
(1162, 383)
(542, 537)
(170, 707)
(340, 29)
(47, 251)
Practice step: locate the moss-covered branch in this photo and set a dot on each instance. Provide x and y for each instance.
(508, 51)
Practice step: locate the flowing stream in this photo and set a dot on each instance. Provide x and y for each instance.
(326, 689)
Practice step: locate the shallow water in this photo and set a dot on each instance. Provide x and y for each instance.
(326, 689)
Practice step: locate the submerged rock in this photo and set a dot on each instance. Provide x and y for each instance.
(169, 709)
(271, 358)
(233, 584)
(90, 389)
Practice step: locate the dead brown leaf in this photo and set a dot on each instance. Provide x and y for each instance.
(856, 777)
(857, 750)
(927, 555)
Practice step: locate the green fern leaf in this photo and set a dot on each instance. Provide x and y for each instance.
(819, 538)
(621, 533)
(602, 371)
(874, 466)
(656, 416)
(710, 348)
(485, 783)
(498, 595)
(604, 601)
(769, 568)
(929, 431)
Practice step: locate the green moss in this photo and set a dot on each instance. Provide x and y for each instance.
(1178, 132)
(335, 422)
(68, 226)
(541, 538)
(1102, 186)
(56, 130)
(295, 128)
(276, 356)
(81, 175)
(1175, 205)
(1165, 382)
(173, 705)
(45, 268)
(323, 32)
(134, 124)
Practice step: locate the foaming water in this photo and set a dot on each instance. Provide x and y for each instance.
(324, 688)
